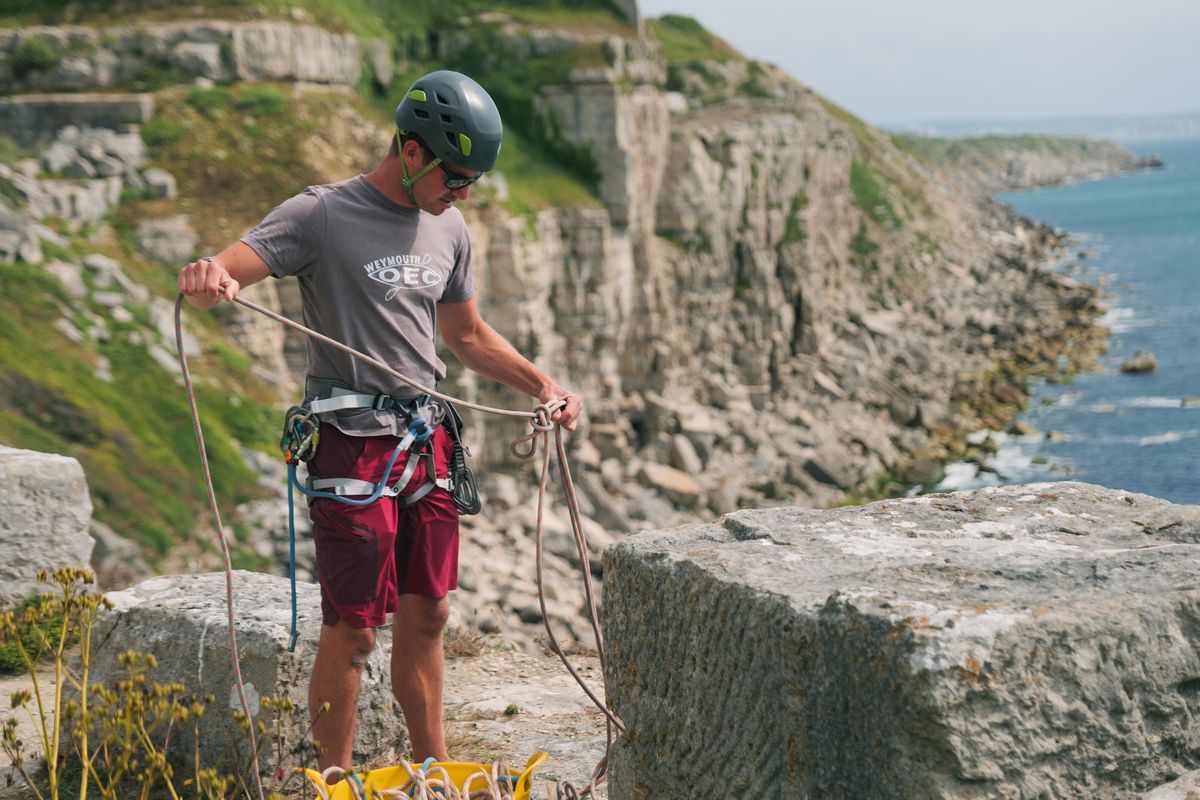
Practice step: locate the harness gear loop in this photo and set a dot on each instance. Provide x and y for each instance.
(301, 434)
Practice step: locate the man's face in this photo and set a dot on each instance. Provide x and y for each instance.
(430, 190)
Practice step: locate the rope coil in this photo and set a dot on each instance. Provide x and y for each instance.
(540, 420)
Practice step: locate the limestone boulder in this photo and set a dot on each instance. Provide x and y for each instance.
(44, 515)
(166, 241)
(182, 621)
(1024, 641)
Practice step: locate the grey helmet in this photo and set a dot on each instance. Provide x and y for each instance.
(455, 117)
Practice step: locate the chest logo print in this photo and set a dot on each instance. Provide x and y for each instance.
(403, 272)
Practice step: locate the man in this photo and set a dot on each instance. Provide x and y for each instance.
(381, 258)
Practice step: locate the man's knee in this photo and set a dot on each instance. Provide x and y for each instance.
(423, 616)
(349, 644)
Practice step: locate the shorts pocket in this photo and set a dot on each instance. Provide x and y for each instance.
(348, 551)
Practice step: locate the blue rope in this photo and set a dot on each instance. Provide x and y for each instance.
(295, 637)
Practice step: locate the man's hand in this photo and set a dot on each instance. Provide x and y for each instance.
(569, 416)
(206, 282)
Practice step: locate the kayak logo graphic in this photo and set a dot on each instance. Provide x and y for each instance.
(403, 272)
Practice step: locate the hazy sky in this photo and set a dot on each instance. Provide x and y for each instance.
(894, 61)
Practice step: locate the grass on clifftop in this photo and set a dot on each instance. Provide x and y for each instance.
(953, 150)
(386, 19)
(683, 38)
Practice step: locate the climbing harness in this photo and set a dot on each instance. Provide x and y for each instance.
(299, 443)
(302, 435)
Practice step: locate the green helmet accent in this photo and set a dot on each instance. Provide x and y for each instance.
(455, 117)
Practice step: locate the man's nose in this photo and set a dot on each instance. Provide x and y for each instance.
(461, 193)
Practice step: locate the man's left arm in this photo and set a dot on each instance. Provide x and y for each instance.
(481, 349)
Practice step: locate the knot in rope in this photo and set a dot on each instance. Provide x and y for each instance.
(541, 423)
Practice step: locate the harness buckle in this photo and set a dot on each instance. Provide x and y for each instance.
(383, 402)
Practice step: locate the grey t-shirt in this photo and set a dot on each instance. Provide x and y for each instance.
(371, 274)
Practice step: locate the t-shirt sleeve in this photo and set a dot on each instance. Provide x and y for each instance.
(289, 238)
(460, 286)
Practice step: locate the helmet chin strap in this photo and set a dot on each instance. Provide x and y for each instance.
(408, 182)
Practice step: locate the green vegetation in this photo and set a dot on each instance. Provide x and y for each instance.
(869, 193)
(154, 77)
(34, 53)
(131, 434)
(795, 232)
(161, 131)
(864, 250)
(513, 84)
(685, 39)
(259, 99)
(864, 133)
(10, 194)
(208, 100)
(120, 738)
(535, 184)
(369, 18)
(757, 83)
(202, 136)
(45, 621)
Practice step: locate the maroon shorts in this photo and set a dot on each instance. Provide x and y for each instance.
(367, 556)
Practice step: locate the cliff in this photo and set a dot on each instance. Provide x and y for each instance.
(763, 299)
(1011, 163)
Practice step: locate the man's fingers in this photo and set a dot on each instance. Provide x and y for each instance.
(213, 281)
(231, 289)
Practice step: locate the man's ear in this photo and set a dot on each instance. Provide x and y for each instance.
(411, 150)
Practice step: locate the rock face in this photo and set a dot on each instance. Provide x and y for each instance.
(44, 515)
(1027, 641)
(30, 118)
(212, 49)
(181, 619)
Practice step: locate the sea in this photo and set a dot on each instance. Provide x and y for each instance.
(1138, 236)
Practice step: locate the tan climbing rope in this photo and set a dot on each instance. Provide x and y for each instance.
(540, 420)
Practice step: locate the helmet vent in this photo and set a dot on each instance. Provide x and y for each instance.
(446, 119)
(421, 113)
(450, 139)
(441, 99)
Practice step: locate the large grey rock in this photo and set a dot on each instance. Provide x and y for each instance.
(281, 51)
(166, 241)
(44, 515)
(181, 619)
(1026, 641)
(1185, 787)
(29, 118)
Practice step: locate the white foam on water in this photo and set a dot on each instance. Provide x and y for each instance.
(1167, 438)
(1154, 402)
(1119, 319)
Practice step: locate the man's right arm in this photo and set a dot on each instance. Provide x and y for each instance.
(203, 283)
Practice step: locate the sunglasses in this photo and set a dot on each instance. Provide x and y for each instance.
(454, 180)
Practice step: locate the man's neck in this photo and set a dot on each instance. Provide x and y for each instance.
(386, 178)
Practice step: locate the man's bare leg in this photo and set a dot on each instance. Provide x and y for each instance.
(418, 665)
(341, 655)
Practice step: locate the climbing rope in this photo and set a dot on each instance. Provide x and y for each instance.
(542, 424)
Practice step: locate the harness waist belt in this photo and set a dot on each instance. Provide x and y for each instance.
(326, 395)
